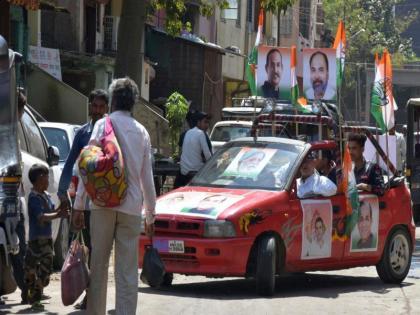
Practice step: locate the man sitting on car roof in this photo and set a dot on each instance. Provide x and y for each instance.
(368, 174)
(311, 183)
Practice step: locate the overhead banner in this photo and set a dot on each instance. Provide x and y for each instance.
(320, 74)
(273, 72)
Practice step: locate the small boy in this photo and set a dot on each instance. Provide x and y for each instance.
(39, 254)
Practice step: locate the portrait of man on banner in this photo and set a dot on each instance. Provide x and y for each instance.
(273, 72)
(316, 229)
(319, 74)
(364, 236)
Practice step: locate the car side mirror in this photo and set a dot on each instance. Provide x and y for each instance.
(53, 156)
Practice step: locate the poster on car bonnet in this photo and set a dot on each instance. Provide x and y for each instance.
(249, 162)
(202, 204)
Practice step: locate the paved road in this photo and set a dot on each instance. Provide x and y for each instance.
(352, 291)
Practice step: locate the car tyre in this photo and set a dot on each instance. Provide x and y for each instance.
(61, 245)
(266, 266)
(396, 258)
(167, 279)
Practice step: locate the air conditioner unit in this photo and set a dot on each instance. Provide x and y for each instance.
(271, 41)
(111, 32)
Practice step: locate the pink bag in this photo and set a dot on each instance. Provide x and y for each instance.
(75, 271)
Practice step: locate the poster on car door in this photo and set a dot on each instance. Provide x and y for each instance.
(316, 229)
(201, 204)
(364, 236)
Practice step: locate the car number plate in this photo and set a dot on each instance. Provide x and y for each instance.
(175, 246)
(169, 246)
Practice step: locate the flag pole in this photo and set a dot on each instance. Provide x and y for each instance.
(386, 118)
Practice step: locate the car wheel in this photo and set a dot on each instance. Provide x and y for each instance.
(61, 245)
(396, 258)
(266, 266)
(167, 279)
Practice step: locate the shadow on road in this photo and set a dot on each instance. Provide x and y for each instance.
(311, 285)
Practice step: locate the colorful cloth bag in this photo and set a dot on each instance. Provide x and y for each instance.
(102, 170)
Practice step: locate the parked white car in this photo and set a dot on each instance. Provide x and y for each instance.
(35, 149)
(60, 135)
(224, 131)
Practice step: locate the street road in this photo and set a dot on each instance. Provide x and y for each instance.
(352, 291)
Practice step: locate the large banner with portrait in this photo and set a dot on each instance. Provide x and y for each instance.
(273, 72)
(319, 74)
(364, 237)
(316, 229)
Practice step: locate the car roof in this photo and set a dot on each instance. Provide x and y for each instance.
(271, 140)
(57, 125)
(415, 101)
(233, 122)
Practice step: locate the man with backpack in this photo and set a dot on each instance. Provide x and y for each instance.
(122, 223)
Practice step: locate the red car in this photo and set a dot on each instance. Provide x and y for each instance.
(240, 216)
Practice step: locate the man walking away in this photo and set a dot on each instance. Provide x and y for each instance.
(195, 150)
(121, 224)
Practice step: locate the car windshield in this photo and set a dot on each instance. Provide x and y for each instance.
(58, 138)
(227, 133)
(249, 165)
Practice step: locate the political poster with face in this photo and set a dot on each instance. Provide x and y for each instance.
(364, 237)
(249, 162)
(319, 74)
(316, 229)
(273, 72)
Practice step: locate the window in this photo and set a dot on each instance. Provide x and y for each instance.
(286, 21)
(34, 137)
(305, 15)
(58, 138)
(232, 12)
(21, 137)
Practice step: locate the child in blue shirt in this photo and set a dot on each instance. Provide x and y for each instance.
(39, 254)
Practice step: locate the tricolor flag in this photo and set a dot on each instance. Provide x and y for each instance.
(349, 188)
(299, 102)
(382, 101)
(340, 47)
(253, 56)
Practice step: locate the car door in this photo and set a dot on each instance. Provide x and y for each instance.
(34, 150)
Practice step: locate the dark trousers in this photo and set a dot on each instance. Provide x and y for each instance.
(38, 267)
(183, 180)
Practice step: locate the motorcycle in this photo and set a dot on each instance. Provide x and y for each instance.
(10, 167)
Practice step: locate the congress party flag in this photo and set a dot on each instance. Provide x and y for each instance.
(299, 102)
(253, 56)
(340, 47)
(382, 100)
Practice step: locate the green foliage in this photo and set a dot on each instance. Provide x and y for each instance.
(374, 26)
(175, 9)
(276, 5)
(176, 111)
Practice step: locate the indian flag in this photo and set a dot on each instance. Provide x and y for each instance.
(382, 101)
(299, 102)
(348, 187)
(253, 57)
(340, 48)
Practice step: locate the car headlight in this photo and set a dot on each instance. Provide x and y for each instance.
(218, 228)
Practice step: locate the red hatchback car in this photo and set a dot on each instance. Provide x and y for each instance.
(241, 216)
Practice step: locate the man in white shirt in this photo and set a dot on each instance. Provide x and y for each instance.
(311, 183)
(195, 150)
(121, 224)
